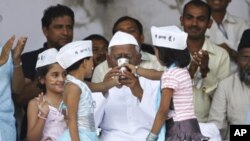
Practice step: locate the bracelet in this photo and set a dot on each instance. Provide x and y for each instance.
(19, 65)
(136, 74)
(151, 137)
(40, 116)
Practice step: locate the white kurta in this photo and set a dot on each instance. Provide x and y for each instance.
(122, 117)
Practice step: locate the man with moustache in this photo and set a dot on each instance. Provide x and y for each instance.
(209, 63)
(126, 112)
(134, 27)
(232, 97)
(57, 26)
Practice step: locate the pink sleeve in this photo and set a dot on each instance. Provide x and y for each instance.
(169, 80)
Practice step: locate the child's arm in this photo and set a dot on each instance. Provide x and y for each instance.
(111, 79)
(147, 73)
(161, 114)
(103, 86)
(72, 95)
(37, 113)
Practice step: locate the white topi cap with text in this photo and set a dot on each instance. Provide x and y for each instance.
(73, 52)
(169, 37)
(46, 57)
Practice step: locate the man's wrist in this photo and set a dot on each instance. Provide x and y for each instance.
(204, 72)
(17, 64)
(138, 92)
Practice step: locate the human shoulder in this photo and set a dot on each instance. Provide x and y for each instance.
(103, 65)
(33, 53)
(99, 72)
(71, 87)
(228, 81)
(33, 103)
(147, 56)
(213, 48)
(235, 19)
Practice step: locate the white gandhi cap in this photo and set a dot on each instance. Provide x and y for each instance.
(46, 57)
(73, 52)
(169, 37)
(122, 38)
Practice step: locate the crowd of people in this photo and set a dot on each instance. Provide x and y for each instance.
(190, 84)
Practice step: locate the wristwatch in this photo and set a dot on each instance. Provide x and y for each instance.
(135, 73)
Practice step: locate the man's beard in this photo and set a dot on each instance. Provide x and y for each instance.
(245, 75)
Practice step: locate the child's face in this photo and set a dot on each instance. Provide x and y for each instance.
(89, 68)
(54, 79)
(157, 56)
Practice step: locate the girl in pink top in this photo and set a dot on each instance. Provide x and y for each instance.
(45, 119)
(175, 107)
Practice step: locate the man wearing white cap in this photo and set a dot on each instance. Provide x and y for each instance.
(231, 104)
(57, 26)
(133, 27)
(127, 112)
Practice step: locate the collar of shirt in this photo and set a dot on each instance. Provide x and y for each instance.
(207, 46)
(228, 18)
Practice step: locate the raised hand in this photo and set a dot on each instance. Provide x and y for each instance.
(6, 50)
(19, 49)
(43, 106)
(201, 59)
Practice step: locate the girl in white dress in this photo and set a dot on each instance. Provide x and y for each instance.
(76, 58)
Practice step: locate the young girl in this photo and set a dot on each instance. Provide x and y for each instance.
(76, 58)
(45, 120)
(176, 87)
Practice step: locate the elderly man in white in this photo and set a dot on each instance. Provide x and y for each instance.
(127, 112)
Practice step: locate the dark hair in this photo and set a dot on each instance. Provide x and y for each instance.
(76, 65)
(198, 3)
(96, 37)
(168, 56)
(53, 12)
(244, 41)
(125, 18)
(41, 73)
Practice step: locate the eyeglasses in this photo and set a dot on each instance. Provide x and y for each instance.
(116, 57)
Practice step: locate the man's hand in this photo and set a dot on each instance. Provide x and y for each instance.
(6, 50)
(129, 80)
(18, 50)
(201, 58)
(133, 83)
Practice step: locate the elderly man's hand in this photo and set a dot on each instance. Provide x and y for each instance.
(133, 83)
(6, 50)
